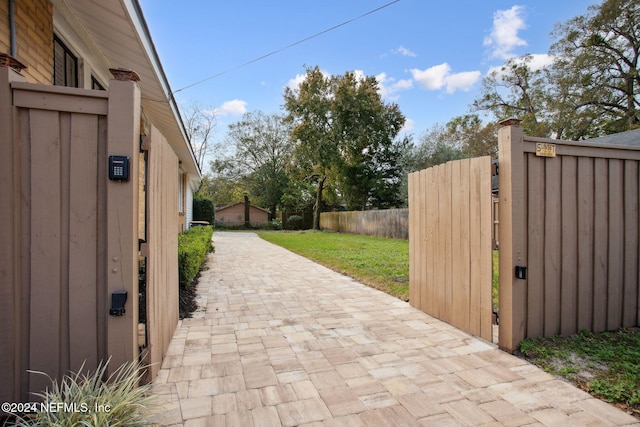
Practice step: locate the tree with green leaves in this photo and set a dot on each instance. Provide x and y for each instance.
(221, 186)
(370, 174)
(517, 90)
(346, 137)
(596, 67)
(262, 155)
(472, 136)
(309, 112)
(590, 89)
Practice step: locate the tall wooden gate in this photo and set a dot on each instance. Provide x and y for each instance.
(450, 226)
(162, 244)
(69, 235)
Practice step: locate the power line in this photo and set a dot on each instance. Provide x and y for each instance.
(286, 47)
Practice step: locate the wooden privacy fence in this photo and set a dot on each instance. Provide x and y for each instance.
(392, 223)
(569, 232)
(69, 236)
(572, 221)
(162, 227)
(450, 243)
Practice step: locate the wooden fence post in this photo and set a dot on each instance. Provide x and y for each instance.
(11, 334)
(512, 231)
(122, 221)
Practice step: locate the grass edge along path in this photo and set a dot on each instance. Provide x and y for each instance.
(378, 262)
(605, 364)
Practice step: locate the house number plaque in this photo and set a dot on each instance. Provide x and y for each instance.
(545, 149)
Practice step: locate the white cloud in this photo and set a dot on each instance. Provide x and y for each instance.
(295, 82)
(234, 107)
(404, 52)
(537, 61)
(388, 86)
(504, 34)
(462, 81)
(359, 75)
(408, 126)
(432, 78)
(540, 61)
(440, 76)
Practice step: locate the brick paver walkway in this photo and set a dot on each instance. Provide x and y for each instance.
(281, 340)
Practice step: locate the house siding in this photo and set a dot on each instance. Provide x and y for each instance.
(34, 41)
(189, 207)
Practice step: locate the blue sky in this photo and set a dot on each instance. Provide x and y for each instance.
(429, 56)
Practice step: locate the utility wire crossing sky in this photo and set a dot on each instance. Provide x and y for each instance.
(428, 57)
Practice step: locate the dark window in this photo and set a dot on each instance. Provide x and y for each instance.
(95, 84)
(65, 65)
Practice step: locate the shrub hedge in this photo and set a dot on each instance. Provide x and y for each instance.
(203, 209)
(193, 247)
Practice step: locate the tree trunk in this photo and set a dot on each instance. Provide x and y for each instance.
(247, 209)
(317, 207)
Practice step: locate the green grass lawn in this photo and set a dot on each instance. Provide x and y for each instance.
(378, 262)
(606, 364)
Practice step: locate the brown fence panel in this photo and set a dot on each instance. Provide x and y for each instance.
(69, 235)
(162, 261)
(54, 281)
(450, 211)
(572, 221)
(390, 223)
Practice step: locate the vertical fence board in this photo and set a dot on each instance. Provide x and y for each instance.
(586, 200)
(431, 195)
(464, 260)
(568, 295)
(82, 241)
(445, 199)
(536, 233)
(630, 293)
(484, 279)
(616, 244)
(422, 242)
(455, 292)
(101, 239)
(414, 232)
(45, 247)
(553, 246)
(65, 159)
(23, 213)
(439, 245)
(425, 201)
(601, 244)
(476, 273)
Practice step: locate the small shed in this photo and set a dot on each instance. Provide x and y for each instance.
(235, 215)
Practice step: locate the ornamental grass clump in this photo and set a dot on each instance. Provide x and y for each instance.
(90, 400)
